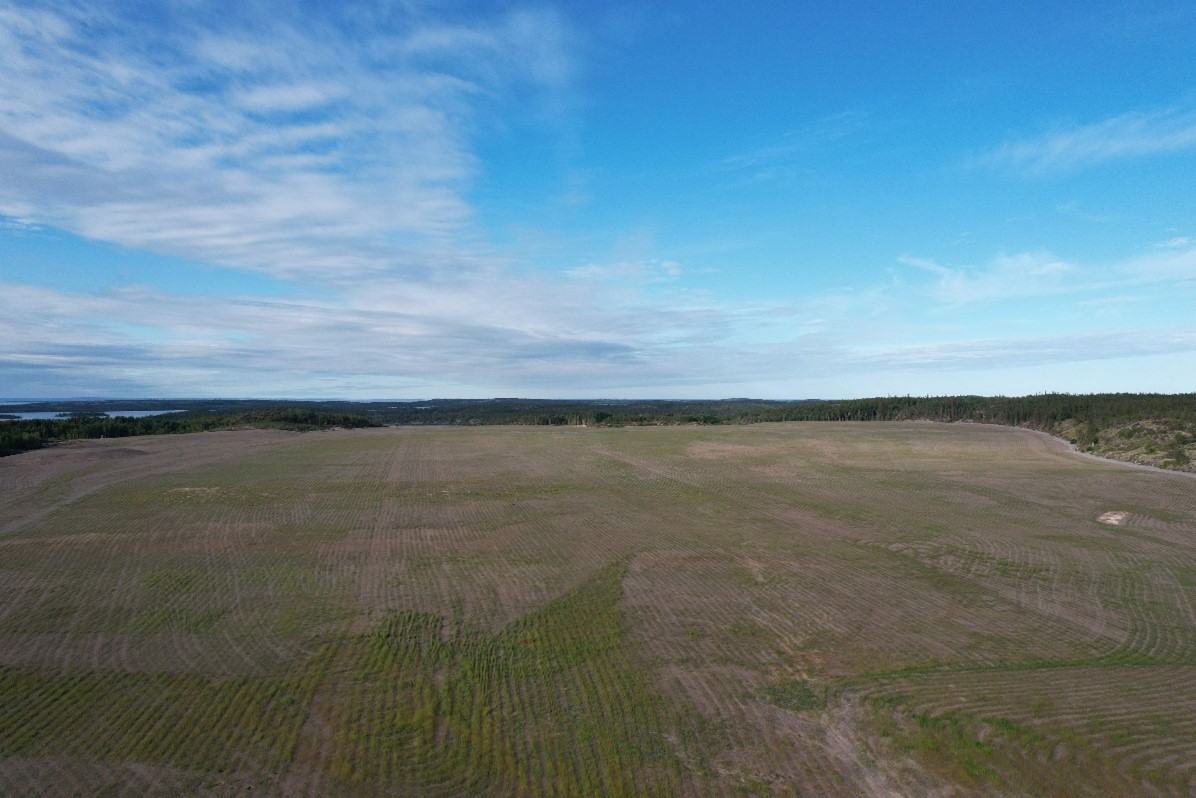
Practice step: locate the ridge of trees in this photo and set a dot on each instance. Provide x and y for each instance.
(23, 435)
(1159, 429)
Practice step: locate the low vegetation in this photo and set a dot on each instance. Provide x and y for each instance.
(1150, 429)
(837, 609)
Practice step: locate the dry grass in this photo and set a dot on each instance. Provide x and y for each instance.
(788, 609)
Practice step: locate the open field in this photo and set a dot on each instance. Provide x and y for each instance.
(778, 609)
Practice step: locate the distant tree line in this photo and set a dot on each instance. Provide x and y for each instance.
(1039, 411)
(1084, 416)
(23, 435)
(1042, 411)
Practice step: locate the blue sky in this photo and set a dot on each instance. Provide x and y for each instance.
(410, 199)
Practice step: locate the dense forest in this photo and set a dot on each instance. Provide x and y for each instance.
(1155, 429)
(1149, 429)
(23, 435)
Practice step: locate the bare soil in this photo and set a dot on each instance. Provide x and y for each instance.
(979, 610)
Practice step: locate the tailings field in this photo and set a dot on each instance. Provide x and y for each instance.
(786, 609)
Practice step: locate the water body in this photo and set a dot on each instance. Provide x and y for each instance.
(53, 414)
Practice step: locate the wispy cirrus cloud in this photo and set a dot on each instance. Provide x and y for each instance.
(1028, 275)
(305, 147)
(780, 158)
(1126, 136)
(576, 335)
(1023, 351)
(1176, 261)
(1005, 277)
(458, 334)
(402, 337)
(340, 148)
(638, 272)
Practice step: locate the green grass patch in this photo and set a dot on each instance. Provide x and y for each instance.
(176, 720)
(550, 705)
(192, 620)
(796, 696)
(973, 750)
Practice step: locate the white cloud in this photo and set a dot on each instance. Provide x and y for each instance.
(479, 332)
(1126, 136)
(340, 156)
(1176, 262)
(396, 340)
(802, 141)
(525, 44)
(1031, 350)
(630, 272)
(274, 146)
(1005, 277)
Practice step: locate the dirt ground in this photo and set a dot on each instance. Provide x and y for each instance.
(830, 609)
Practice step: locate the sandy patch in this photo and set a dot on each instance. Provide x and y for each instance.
(756, 568)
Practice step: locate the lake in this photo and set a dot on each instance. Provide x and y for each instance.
(42, 414)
